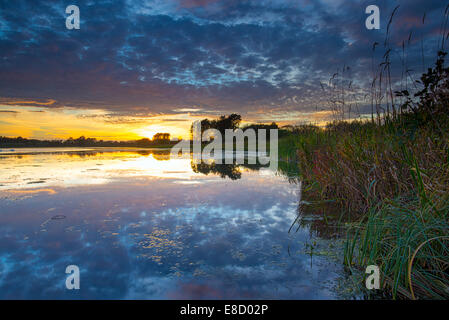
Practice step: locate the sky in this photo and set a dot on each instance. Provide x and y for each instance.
(135, 68)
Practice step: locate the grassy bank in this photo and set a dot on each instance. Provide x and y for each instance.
(393, 174)
(397, 182)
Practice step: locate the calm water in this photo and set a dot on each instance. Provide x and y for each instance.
(142, 226)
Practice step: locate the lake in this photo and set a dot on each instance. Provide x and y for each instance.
(140, 225)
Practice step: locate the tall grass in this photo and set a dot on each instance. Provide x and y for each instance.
(396, 180)
(391, 171)
(409, 243)
(394, 174)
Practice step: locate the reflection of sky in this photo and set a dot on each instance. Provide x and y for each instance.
(20, 170)
(145, 236)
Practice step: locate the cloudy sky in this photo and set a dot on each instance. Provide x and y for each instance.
(139, 67)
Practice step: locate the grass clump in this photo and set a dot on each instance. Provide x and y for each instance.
(409, 243)
(393, 173)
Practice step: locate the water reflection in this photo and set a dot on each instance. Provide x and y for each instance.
(144, 226)
(231, 171)
(55, 167)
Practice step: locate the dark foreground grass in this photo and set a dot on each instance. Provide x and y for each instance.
(396, 180)
(409, 242)
(392, 172)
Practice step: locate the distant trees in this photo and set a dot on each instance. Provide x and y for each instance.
(224, 122)
(81, 141)
(19, 142)
(221, 124)
(233, 122)
(161, 137)
(143, 142)
(258, 126)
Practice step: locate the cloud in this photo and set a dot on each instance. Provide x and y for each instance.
(174, 120)
(160, 57)
(48, 103)
(9, 111)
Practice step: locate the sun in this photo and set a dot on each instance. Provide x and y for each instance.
(176, 129)
(148, 134)
(150, 131)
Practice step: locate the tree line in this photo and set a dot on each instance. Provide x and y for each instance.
(159, 139)
(233, 122)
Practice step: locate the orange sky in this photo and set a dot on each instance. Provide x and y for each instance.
(61, 123)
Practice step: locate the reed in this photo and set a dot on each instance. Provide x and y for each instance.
(396, 180)
(392, 172)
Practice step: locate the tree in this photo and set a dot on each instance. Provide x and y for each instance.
(161, 137)
(224, 122)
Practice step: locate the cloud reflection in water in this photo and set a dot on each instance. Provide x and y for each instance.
(146, 234)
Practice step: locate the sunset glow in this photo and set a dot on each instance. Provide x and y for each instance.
(224, 154)
(68, 122)
(159, 65)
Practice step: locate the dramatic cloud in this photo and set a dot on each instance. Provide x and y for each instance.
(263, 59)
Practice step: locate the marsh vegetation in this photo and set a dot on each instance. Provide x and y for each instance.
(390, 173)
